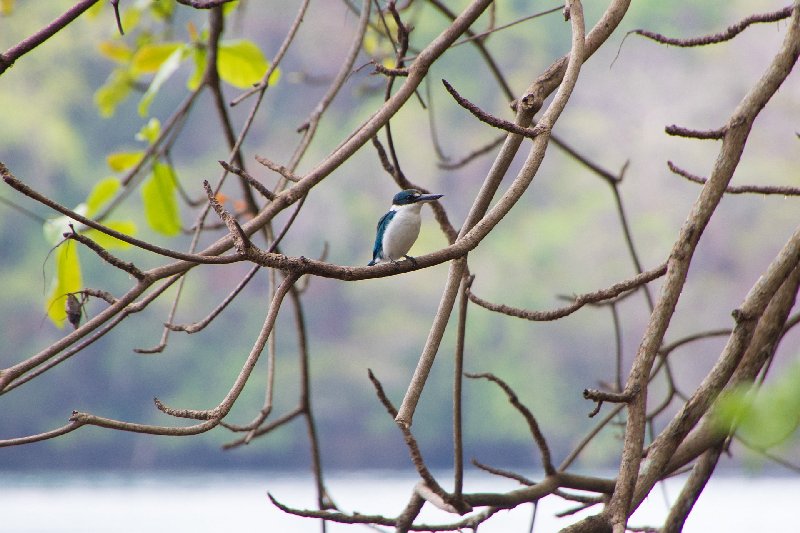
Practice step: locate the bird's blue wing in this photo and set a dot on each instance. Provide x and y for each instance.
(383, 223)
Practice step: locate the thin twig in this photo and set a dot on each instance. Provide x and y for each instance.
(504, 473)
(533, 425)
(280, 169)
(458, 444)
(203, 4)
(483, 150)
(27, 191)
(579, 301)
(26, 45)
(483, 116)
(262, 86)
(680, 131)
(63, 430)
(257, 185)
(200, 325)
(783, 190)
(104, 254)
(413, 448)
(728, 34)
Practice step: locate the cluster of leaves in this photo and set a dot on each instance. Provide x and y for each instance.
(145, 58)
(239, 62)
(68, 278)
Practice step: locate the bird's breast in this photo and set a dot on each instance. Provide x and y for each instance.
(401, 234)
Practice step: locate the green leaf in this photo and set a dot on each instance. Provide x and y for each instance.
(116, 89)
(106, 241)
(168, 68)
(116, 50)
(55, 228)
(94, 11)
(122, 161)
(130, 18)
(160, 200)
(242, 64)
(150, 57)
(162, 10)
(101, 193)
(199, 56)
(764, 417)
(150, 131)
(67, 280)
(230, 6)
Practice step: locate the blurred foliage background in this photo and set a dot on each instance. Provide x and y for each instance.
(564, 238)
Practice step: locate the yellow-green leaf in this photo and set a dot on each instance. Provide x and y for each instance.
(55, 228)
(106, 241)
(767, 416)
(370, 43)
(116, 50)
(114, 90)
(122, 161)
(150, 57)
(67, 280)
(199, 56)
(130, 18)
(166, 70)
(95, 10)
(230, 6)
(101, 193)
(160, 200)
(150, 131)
(6, 7)
(241, 63)
(162, 10)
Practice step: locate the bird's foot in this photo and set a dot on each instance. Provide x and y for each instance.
(413, 261)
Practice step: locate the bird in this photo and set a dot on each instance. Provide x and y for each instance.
(399, 228)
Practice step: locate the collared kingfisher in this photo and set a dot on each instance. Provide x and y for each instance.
(399, 228)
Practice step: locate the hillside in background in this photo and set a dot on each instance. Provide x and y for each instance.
(566, 236)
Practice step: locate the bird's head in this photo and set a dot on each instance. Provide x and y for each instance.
(413, 196)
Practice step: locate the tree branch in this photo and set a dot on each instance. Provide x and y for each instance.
(26, 45)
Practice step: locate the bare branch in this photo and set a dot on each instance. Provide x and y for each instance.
(240, 239)
(483, 116)
(26, 45)
(27, 191)
(680, 131)
(104, 254)
(504, 473)
(728, 34)
(198, 326)
(738, 189)
(280, 169)
(63, 430)
(386, 71)
(483, 150)
(429, 481)
(578, 302)
(203, 4)
(257, 185)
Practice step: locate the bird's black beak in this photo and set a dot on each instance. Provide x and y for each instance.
(429, 197)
